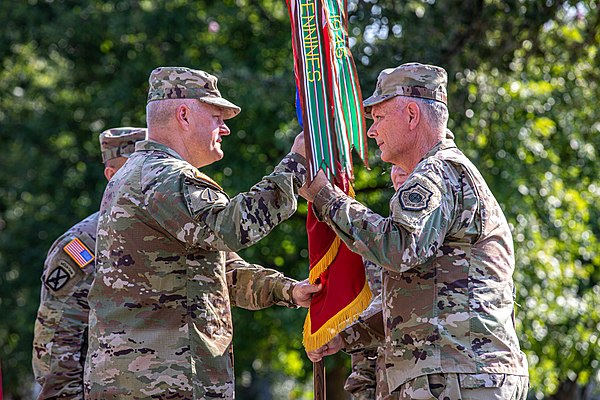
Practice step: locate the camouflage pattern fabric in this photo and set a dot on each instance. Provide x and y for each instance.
(60, 334)
(59, 339)
(186, 83)
(412, 80)
(448, 259)
(464, 387)
(362, 382)
(254, 287)
(120, 142)
(160, 320)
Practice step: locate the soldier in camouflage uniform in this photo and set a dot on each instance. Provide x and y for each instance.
(367, 380)
(60, 335)
(160, 320)
(446, 250)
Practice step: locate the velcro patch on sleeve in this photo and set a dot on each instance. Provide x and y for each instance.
(417, 198)
(202, 194)
(62, 275)
(79, 252)
(57, 278)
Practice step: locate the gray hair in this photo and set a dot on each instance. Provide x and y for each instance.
(435, 113)
(162, 112)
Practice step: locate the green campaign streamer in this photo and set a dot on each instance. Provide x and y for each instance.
(328, 86)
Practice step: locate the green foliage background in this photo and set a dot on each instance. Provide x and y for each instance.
(523, 96)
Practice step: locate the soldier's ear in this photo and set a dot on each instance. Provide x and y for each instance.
(109, 172)
(183, 116)
(414, 114)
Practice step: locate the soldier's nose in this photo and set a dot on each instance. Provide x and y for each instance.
(224, 131)
(372, 132)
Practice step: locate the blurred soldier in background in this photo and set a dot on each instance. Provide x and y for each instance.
(60, 335)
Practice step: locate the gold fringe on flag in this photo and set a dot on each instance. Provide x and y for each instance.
(325, 261)
(345, 317)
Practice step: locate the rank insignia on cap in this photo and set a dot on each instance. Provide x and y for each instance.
(415, 198)
(79, 253)
(57, 278)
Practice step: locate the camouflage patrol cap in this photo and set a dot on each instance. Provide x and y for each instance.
(411, 79)
(120, 142)
(186, 83)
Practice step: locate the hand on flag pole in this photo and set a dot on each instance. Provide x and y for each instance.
(332, 347)
(310, 190)
(329, 109)
(299, 145)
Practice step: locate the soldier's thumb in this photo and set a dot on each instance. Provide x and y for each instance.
(316, 288)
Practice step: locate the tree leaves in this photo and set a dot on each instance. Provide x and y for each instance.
(523, 89)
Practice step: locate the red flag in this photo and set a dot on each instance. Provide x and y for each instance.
(345, 291)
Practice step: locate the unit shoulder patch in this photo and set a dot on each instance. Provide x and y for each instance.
(57, 278)
(197, 178)
(202, 193)
(415, 198)
(418, 197)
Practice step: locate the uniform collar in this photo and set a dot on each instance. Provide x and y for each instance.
(149, 145)
(445, 143)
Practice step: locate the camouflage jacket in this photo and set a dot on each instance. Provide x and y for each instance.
(60, 337)
(160, 320)
(448, 260)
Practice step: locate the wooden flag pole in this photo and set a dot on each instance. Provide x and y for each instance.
(319, 380)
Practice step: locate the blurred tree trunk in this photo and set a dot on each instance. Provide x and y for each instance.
(571, 390)
(567, 390)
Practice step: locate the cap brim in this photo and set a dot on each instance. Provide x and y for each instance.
(371, 101)
(230, 110)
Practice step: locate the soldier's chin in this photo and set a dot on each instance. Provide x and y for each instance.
(217, 151)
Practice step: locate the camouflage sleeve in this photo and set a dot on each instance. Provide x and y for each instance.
(253, 287)
(374, 307)
(421, 212)
(60, 328)
(366, 333)
(205, 216)
(362, 381)
(373, 272)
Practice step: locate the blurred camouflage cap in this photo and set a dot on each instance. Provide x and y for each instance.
(411, 79)
(186, 83)
(120, 142)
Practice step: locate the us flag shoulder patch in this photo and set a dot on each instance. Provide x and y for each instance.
(79, 253)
